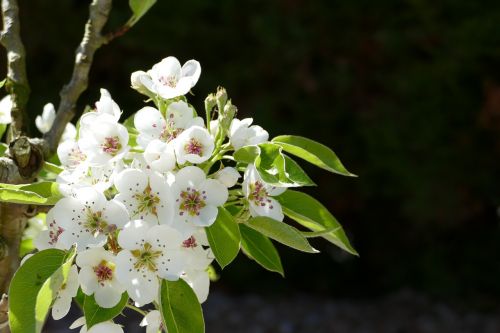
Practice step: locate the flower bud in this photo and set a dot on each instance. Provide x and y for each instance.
(221, 98)
(136, 82)
(210, 103)
(228, 176)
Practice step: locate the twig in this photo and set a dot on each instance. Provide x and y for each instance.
(17, 81)
(92, 40)
(4, 310)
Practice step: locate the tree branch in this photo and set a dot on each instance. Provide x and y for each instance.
(17, 81)
(92, 40)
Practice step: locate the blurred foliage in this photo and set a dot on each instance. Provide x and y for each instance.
(406, 92)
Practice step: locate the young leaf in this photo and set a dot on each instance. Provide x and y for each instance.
(313, 215)
(139, 8)
(94, 314)
(313, 152)
(25, 315)
(281, 232)
(43, 193)
(224, 238)
(260, 248)
(180, 309)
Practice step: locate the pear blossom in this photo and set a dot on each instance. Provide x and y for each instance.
(69, 154)
(50, 237)
(194, 145)
(45, 121)
(97, 276)
(5, 110)
(153, 322)
(105, 105)
(69, 133)
(228, 176)
(198, 256)
(160, 156)
(104, 327)
(145, 196)
(196, 199)
(152, 125)
(103, 141)
(99, 177)
(167, 78)
(88, 218)
(260, 195)
(65, 294)
(242, 134)
(148, 253)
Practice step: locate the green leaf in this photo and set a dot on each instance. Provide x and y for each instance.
(94, 314)
(33, 288)
(281, 232)
(43, 193)
(313, 215)
(3, 128)
(180, 309)
(224, 238)
(3, 148)
(313, 152)
(247, 154)
(139, 8)
(2, 83)
(49, 290)
(260, 248)
(273, 167)
(51, 167)
(26, 247)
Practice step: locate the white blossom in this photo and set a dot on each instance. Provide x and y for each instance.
(104, 327)
(97, 276)
(49, 237)
(69, 154)
(45, 121)
(198, 256)
(153, 322)
(146, 196)
(105, 105)
(152, 125)
(5, 110)
(103, 141)
(260, 195)
(65, 294)
(99, 177)
(160, 156)
(196, 199)
(88, 218)
(167, 78)
(242, 134)
(194, 145)
(148, 253)
(228, 176)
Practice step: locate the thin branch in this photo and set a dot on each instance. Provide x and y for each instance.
(4, 310)
(92, 40)
(17, 81)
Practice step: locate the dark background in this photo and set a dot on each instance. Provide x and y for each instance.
(407, 93)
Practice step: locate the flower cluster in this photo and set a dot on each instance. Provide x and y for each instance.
(139, 196)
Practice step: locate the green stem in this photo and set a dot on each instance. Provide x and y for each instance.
(136, 309)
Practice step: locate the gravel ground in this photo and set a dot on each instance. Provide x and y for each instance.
(404, 312)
